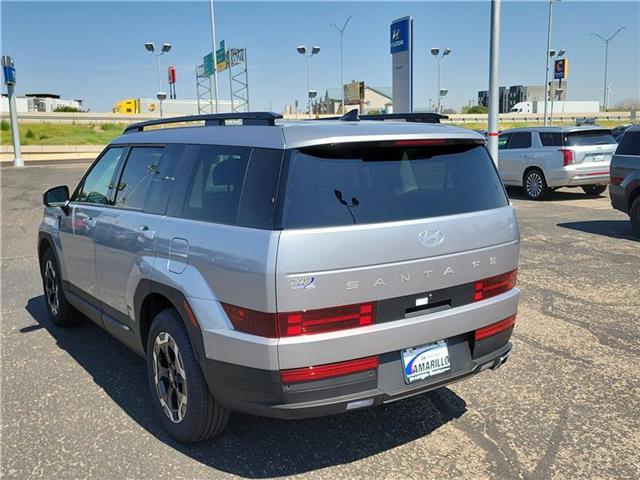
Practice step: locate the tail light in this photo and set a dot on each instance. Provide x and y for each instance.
(325, 320)
(287, 324)
(330, 370)
(495, 328)
(567, 156)
(616, 180)
(492, 286)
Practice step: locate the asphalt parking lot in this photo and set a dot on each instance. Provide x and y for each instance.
(566, 405)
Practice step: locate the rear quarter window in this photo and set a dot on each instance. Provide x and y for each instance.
(629, 144)
(364, 183)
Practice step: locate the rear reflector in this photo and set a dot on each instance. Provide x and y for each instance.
(567, 156)
(495, 328)
(492, 286)
(329, 370)
(616, 180)
(288, 324)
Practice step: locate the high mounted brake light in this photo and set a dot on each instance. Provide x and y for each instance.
(492, 286)
(288, 324)
(419, 142)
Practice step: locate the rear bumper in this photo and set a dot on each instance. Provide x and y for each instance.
(260, 392)
(573, 176)
(618, 198)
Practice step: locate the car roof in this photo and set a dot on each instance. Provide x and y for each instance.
(561, 129)
(298, 134)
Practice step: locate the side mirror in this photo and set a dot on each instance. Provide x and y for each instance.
(57, 197)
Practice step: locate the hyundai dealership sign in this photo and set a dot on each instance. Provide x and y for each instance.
(401, 46)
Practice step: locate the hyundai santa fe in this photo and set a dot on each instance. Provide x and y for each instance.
(287, 269)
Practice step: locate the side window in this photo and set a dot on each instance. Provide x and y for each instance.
(141, 167)
(551, 139)
(97, 184)
(216, 184)
(503, 140)
(629, 144)
(520, 140)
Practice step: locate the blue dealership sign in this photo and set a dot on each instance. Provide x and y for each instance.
(400, 35)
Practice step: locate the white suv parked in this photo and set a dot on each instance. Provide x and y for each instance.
(545, 158)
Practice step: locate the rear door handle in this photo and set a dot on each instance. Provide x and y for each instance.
(143, 228)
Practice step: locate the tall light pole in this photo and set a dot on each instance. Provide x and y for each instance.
(605, 104)
(546, 70)
(436, 53)
(341, 31)
(151, 47)
(302, 50)
(494, 90)
(214, 47)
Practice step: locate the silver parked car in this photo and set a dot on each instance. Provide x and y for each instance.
(541, 159)
(288, 269)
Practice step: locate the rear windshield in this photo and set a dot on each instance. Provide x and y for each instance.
(590, 137)
(344, 185)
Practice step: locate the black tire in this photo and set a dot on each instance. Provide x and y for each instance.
(535, 185)
(594, 190)
(634, 214)
(60, 311)
(199, 418)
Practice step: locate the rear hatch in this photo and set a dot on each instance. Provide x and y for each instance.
(592, 149)
(408, 221)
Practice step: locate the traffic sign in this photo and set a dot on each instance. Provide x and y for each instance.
(207, 65)
(561, 69)
(221, 57)
(9, 70)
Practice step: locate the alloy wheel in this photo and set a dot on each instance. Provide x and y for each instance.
(51, 288)
(534, 184)
(170, 377)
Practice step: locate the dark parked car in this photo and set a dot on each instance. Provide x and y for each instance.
(618, 131)
(625, 176)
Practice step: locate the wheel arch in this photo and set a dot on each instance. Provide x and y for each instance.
(533, 167)
(151, 298)
(635, 193)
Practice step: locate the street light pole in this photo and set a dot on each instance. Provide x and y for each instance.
(214, 47)
(302, 50)
(546, 70)
(341, 31)
(606, 41)
(151, 47)
(494, 90)
(436, 53)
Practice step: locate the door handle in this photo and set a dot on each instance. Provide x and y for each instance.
(143, 228)
(91, 222)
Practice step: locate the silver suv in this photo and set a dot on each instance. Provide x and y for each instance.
(288, 269)
(542, 159)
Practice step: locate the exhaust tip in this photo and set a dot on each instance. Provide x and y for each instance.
(500, 362)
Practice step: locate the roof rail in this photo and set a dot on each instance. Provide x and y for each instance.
(247, 118)
(423, 117)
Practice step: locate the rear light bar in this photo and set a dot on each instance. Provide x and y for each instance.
(492, 286)
(567, 156)
(495, 328)
(329, 370)
(288, 324)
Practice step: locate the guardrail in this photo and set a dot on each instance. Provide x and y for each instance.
(91, 117)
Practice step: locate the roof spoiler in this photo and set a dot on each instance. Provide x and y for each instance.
(424, 117)
(220, 119)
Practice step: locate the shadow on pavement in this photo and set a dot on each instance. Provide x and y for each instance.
(609, 228)
(517, 193)
(254, 447)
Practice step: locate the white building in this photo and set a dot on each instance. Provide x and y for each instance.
(40, 102)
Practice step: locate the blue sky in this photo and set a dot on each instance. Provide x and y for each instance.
(94, 50)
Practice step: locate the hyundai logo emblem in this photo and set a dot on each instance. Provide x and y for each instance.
(396, 34)
(431, 238)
